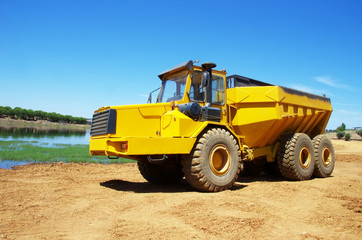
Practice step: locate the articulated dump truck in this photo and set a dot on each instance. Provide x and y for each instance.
(209, 128)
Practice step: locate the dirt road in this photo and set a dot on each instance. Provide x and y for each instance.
(90, 201)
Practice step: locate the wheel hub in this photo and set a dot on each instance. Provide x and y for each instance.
(326, 155)
(220, 160)
(304, 157)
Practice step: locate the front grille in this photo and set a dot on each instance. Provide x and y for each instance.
(104, 122)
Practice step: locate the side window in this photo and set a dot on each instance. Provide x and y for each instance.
(197, 92)
(218, 90)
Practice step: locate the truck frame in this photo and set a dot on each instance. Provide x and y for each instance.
(208, 127)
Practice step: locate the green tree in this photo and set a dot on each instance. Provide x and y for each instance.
(83, 121)
(23, 114)
(39, 114)
(76, 120)
(80, 120)
(68, 118)
(31, 114)
(2, 111)
(9, 111)
(17, 111)
(53, 117)
(42, 115)
(341, 128)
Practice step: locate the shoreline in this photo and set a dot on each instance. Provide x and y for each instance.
(9, 122)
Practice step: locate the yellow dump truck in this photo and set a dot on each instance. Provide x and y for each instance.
(207, 127)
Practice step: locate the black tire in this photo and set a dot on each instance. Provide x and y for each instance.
(324, 156)
(296, 157)
(167, 172)
(215, 162)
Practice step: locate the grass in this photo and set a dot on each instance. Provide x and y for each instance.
(35, 152)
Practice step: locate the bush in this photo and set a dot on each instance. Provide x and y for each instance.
(359, 132)
(340, 134)
(347, 137)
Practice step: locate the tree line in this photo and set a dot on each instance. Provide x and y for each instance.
(29, 114)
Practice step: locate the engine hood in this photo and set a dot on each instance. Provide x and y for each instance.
(140, 120)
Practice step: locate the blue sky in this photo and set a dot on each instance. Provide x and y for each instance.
(73, 57)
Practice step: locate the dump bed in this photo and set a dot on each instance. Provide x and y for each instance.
(260, 113)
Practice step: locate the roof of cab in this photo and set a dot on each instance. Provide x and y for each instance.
(188, 64)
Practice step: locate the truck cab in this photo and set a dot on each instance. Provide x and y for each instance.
(191, 86)
(189, 98)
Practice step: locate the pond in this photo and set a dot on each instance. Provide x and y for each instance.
(45, 135)
(41, 136)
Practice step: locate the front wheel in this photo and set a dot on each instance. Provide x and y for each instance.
(164, 173)
(215, 162)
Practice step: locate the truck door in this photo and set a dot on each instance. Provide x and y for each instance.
(218, 95)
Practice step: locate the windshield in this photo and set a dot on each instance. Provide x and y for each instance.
(173, 87)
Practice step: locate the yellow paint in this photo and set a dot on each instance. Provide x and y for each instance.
(177, 124)
(141, 146)
(269, 111)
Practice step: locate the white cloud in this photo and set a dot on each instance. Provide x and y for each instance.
(327, 80)
(351, 113)
(307, 89)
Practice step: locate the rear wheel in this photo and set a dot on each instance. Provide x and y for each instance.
(162, 173)
(324, 156)
(215, 162)
(296, 157)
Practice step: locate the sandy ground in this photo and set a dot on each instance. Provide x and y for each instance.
(90, 201)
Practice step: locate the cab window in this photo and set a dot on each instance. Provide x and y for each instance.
(197, 91)
(218, 90)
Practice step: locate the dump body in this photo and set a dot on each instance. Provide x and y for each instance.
(261, 114)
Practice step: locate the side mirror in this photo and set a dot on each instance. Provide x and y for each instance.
(205, 78)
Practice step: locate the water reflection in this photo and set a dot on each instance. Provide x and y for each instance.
(45, 135)
(39, 132)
